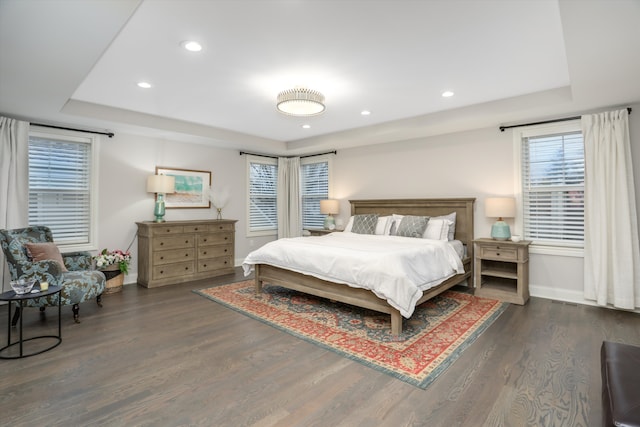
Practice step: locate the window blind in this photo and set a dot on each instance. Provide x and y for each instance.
(59, 188)
(553, 189)
(263, 213)
(315, 187)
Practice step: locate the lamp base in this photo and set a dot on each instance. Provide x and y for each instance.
(500, 231)
(329, 223)
(158, 210)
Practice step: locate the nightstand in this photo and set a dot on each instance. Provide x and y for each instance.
(320, 231)
(502, 270)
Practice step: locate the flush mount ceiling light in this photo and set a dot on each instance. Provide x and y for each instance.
(300, 102)
(191, 45)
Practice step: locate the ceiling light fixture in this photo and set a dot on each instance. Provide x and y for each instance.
(306, 126)
(300, 102)
(191, 46)
(144, 85)
(365, 112)
(447, 94)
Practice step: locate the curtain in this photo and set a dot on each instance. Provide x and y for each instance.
(289, 209)
(14, 181)
(611, 250)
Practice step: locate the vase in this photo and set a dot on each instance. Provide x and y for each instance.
(115, 279)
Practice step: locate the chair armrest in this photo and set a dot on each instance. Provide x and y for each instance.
(43, 271)
(76, 261)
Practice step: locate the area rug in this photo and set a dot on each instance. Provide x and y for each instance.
(435, 336)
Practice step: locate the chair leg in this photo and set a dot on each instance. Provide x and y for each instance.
(99, 300)
(16, 316)
(76, 313)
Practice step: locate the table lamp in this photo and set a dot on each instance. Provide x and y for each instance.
(329, 208)
(161, 185)
(500, 207)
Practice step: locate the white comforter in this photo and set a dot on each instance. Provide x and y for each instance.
(396, 269)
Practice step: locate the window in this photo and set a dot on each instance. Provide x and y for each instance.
(552, 176)
(263, 184)
(314, 174)
(62, 181)
(262, 193)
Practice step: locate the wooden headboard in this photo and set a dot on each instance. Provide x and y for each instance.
(425, 207)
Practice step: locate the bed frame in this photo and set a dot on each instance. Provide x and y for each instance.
(265, 273)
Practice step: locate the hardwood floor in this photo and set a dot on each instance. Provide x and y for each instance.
(168, 357)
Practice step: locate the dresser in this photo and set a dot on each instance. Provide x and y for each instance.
(181, 251)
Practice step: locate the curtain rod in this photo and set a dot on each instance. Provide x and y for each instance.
(288, 157)
(502, 128)
(109, 134)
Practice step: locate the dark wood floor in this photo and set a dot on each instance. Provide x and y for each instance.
(168, 357)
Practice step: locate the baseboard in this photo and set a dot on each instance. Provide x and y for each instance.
(564, 295)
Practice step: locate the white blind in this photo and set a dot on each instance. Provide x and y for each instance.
(263, 214)
(553, 188)
(315, 187)
(59, 188)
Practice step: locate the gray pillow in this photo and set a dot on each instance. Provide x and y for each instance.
(412, 226)
(364, 224)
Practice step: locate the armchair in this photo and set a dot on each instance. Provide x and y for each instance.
(79, 283)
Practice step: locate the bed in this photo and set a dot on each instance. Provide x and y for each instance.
(463, 207)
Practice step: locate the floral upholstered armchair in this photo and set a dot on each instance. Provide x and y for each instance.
(79, 283)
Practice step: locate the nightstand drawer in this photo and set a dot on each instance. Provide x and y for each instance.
(498, 252)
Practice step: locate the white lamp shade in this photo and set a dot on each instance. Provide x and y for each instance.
(500, 207)
(161, 184)
(329, 207)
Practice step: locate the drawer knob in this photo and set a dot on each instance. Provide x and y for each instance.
(225, 238)
(186, 268)
(186, 255)
(205, 265)
(161, 271)
(225, 250)
(196, 228)
(186, 241)
(161, 243)
(204, 240)
(168, 230)
(205, 252)
(225, 262)
(498, 253)
(161, 257)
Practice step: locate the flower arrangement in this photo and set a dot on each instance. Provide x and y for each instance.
(107, 258)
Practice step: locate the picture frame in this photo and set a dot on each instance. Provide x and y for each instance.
(191, 189)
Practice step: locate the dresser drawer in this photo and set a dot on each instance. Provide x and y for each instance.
(214, 239)
(221, 227)
(174, 242)
(213, 251)
(499, 252)
(214, 264)
(173, 270)
(168, 229)
(196, 228)
(177, 255)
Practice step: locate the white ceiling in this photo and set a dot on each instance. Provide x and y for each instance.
(77, 63)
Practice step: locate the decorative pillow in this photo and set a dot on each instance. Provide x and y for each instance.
(412, 226)
(395, 221)
(437, 229)
(349, 225)
(452, 227)
(45, 251)
(365, 224)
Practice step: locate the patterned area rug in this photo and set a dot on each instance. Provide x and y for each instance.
(435, 336)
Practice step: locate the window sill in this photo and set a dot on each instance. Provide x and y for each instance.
(556, 250)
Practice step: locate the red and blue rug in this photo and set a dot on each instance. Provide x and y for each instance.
(432, 339)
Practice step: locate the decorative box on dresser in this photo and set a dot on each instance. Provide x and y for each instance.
(502, 270)
(181, 251)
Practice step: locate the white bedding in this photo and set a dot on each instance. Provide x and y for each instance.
(396, 269)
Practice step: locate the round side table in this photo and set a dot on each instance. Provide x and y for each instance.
(11, 297)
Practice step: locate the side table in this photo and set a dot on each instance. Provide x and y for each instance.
(11, 297)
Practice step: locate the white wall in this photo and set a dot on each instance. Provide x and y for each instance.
(125, 163)
(476, 164)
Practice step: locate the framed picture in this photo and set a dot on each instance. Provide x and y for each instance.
(191, 189)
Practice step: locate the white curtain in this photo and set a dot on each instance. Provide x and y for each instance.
(289, 203)
(611, 252)
(14, 181)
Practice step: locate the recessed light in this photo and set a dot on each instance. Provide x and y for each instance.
(306, 126)
(365, 112)
(191, 46)
(144, 85)
(447, 94)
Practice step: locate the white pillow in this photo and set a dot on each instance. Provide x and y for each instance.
(452, 226)
(349, 225)
(384, 225)
(437, 229)
(395, 222)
